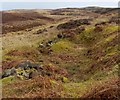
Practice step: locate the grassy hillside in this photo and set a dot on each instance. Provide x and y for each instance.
(62, 53)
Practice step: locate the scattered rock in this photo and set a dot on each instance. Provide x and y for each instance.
(24, 65)
(45, 50)
(26, 75)
(32, 75)
(24, 69)
(49, 43)
(29, 75)
(45, 47)
(8, 72)
(13, 71)
(41, 45)
(27, 65)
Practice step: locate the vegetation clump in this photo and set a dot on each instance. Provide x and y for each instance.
(73, 23)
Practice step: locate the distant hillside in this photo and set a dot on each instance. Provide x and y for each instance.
(19, 20)
(22, 16)
(101, 10)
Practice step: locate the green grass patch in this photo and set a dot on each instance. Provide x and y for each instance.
(62, 45)
(109, 29)
(75, 90)
(7, 57)
(8, 79)
(111, 50)
(89, 37)
(106, 40)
